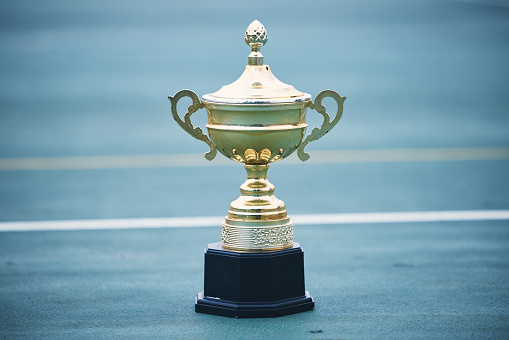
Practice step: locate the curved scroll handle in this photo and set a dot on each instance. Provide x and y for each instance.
(196, 132)
(327, 125)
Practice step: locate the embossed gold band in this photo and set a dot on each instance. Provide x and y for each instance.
(257, 238)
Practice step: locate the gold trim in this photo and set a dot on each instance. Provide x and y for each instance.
(257, 238)
(254, 157)
(273, 127)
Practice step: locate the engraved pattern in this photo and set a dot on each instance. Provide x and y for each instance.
(273, 236)
(256, 35)
(225, 234)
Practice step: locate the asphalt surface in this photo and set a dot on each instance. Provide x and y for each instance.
(91, 79)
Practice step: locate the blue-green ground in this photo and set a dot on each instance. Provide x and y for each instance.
(405, 281)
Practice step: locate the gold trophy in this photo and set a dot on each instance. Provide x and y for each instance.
(257, 270)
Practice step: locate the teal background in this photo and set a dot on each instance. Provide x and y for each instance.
(91, 78)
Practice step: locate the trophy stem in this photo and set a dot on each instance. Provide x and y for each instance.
(257, 220)
(257, 184)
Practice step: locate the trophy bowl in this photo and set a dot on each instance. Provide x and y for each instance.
(277, 132)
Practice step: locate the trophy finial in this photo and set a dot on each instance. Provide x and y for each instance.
(256, 37)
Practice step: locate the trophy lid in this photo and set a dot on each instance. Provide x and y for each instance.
(257, 85)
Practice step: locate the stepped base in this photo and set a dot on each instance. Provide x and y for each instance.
(253, 284)
(253, 310)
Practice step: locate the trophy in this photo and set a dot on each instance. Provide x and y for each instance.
(257, 270)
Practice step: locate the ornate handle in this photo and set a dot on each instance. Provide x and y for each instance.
(327, 125)
(196, 132)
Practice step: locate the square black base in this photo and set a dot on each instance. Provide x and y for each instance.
(253, 284)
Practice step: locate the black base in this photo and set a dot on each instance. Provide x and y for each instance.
(253, 285)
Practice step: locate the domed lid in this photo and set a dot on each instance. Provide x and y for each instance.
(257, 85)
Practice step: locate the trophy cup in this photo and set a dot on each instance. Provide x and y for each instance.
(257, 270)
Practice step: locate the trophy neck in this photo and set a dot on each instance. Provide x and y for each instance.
(256, 171)
(257, 183)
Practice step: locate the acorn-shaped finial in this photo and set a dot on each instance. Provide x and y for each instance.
(256, 37)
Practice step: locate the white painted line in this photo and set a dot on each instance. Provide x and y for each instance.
(215, 221)
(132, 223)
(399, 217)
(197, 160)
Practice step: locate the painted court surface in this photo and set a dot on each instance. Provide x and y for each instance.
(106, 206)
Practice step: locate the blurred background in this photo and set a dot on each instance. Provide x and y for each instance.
(86, 133)
(91, 78)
